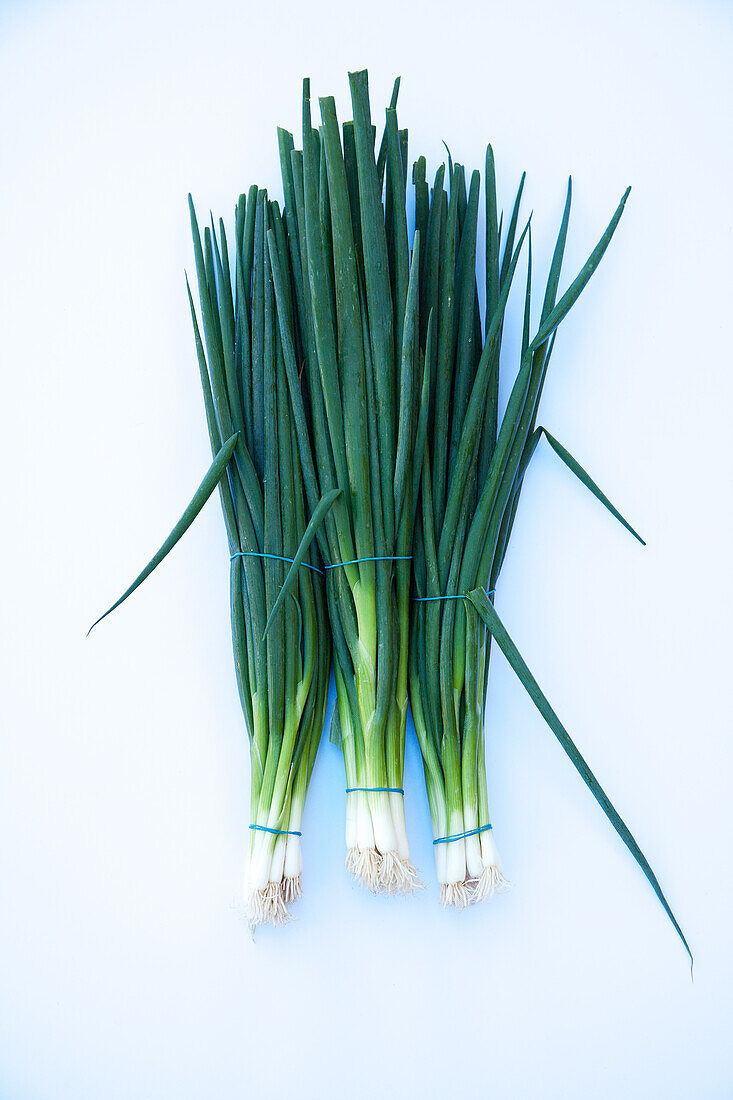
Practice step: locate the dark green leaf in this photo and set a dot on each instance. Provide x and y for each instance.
(484, 607)
(202, 494)
(588, 481)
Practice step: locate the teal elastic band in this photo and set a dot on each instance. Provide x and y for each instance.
(389, 790)
(277, 832)
(379, 557)
(461, 836)
(277, 557)
(429, 599)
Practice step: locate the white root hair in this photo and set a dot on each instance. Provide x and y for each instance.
(491, 881)
(398, 875)
(365, 867)
(386, 873)
(458, 894)
(267, 906)
(292, 888)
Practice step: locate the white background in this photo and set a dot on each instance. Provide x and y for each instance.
(126, 969)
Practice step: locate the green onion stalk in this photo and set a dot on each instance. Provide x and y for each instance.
(471, 477)
(282, 677)
(355, 380)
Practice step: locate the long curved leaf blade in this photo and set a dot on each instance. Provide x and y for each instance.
(588, 481)
(319, 514)
(496, 628)
(555, 267)
(202, 494)
(571, 295)
(511, 232)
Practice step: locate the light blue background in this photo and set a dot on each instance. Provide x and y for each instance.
(126, 969)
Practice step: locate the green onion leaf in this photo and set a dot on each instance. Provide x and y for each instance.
(587, 480)
(206, 488)
(496, 628)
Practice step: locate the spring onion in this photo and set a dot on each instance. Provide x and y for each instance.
(282, 678)
(471, 480)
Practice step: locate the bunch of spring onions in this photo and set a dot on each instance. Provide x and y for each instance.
(471, 478)
(351, 391)
(282, 677)
(470, 482)
(356, 290)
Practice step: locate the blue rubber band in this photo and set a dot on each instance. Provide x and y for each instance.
(277, 557)
(430, 599)
(389, 790)
(380, 557)
(277, 832)
(461, 836)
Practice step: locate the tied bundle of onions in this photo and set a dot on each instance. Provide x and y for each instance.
(471, 479)
(472, 474)
(449, 648)
(282, 677)
(356, 293)
(282, 674)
